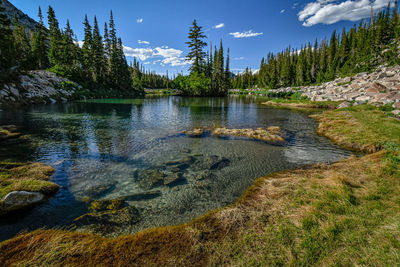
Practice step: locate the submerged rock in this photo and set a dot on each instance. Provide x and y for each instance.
(21, 199)
(99, 190)
(173, 179)
(211, 163)
(150, 178)
(142, 196)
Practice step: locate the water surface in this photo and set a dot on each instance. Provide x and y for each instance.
(101, 148)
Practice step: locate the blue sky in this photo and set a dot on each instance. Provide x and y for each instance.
(156, 30)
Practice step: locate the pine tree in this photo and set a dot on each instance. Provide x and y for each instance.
(227, 72)
(97, 52)
(23, 47)
(55, 53)
(40, 47)
(196, 44)
(87, 62)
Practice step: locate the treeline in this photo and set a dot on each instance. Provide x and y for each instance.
(148, 79)
(362, 48)
(209, 72)
(99, 65)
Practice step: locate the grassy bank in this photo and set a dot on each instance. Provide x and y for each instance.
(342, 214)
(292, 103)
(26, 177)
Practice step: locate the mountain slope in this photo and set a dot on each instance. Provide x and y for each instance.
(11, 11)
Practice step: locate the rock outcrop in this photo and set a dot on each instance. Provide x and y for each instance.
(38, 87)
(380, 87)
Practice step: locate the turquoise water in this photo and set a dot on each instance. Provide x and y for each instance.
(115, 149)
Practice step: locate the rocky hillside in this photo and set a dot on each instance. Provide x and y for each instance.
(23, 19)
(380, 88)
(39, 87)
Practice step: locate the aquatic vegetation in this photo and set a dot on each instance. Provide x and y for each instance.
(272, 134)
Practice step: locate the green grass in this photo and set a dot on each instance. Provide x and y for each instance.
(25, 177)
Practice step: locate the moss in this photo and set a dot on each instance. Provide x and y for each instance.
(32, 177)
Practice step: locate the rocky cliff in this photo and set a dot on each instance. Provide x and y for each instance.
(39, 87)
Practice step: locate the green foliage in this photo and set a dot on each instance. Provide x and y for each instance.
(99, 65)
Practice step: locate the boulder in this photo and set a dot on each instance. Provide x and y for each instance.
(372, 91)
(14, 91)
(21, 199)
(396, 112)
(396, 105)
(345, 104)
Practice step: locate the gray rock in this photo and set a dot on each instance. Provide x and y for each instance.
(21, 199)
(14, 91)
(344, 105)
(396, 112)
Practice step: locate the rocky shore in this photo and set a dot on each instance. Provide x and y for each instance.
(381, 87)
(38, 87)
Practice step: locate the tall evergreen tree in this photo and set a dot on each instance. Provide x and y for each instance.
(55, 52)
(196, 45)
(40, 46)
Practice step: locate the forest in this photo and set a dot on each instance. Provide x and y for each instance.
(362, 48)
(99, 65)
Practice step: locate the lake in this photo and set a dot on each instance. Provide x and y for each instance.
(118, 148)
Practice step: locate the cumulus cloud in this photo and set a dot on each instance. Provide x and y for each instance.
(168, 56)
(143, 42)
(283, 11)
(140, 53)
(245, 34)
(139, 20)
(332, 11)
(218, 26)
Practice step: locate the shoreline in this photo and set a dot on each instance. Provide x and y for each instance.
(211, 228)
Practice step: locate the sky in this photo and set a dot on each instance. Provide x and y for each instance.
(155, 31)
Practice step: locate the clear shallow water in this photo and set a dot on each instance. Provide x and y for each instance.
(102, 148)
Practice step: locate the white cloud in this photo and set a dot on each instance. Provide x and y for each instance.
(139, 20)
(169, 56)
(332, 11)
(218, 26)
(140, 53)
(143, 42)
(238, 58)
(283, 11)
(295, 5)
(245, 34)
